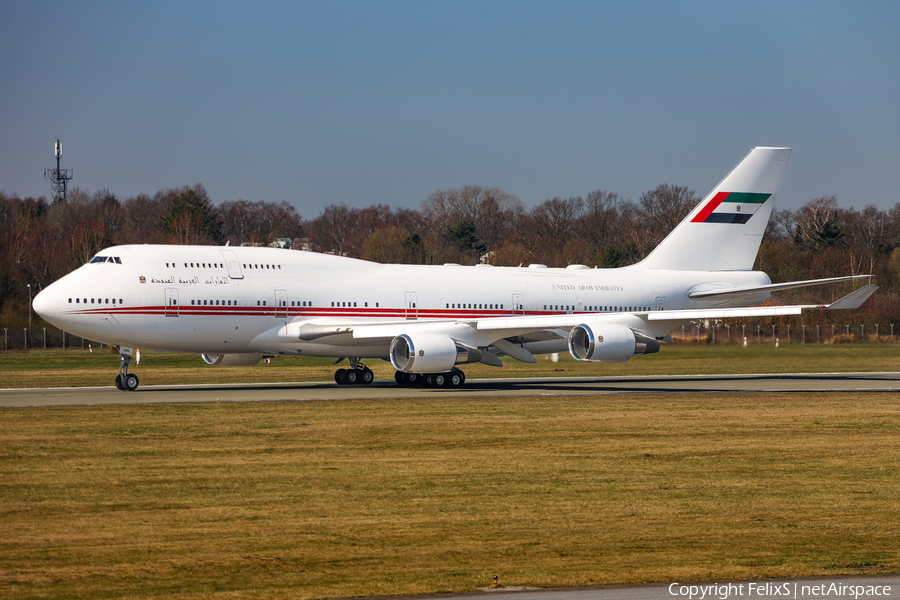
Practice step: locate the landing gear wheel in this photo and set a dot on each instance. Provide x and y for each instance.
(429, 380)
(352, 377)
(340, 377)
(401, 378)
(119, 383)
(130, 382)
(440, 380)
(367, 377)
(455, 379)
(413, 379)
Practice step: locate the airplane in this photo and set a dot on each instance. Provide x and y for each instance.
(238, 305)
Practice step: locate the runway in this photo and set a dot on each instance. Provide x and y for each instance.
(558, 386)
(801, 588)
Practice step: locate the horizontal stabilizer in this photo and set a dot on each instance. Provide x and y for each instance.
(729, 293)
(854, 300)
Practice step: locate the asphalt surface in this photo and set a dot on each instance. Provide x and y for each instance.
(803, 588)
(295, 392)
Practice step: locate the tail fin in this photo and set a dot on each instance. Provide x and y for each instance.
(724, 231)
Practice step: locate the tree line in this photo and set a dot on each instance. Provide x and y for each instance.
(41, 242)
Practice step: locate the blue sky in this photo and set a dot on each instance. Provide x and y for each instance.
(385, 102)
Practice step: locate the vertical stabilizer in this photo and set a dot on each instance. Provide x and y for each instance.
(724, 231)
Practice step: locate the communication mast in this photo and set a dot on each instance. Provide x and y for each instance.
(57, 177)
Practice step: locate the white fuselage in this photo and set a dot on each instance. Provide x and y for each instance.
(211, 299)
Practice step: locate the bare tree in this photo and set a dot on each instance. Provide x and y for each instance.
(663, 208)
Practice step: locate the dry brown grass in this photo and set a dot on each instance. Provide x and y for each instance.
(368, 498)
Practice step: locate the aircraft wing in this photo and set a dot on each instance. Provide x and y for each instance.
(500, 328)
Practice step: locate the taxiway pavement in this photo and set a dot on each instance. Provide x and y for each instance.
(557, 386)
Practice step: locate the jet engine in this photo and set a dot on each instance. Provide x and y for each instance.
(429, 353)
(231, 360)
(608, 343)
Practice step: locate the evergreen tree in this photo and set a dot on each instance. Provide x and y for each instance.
(830, 235)
(191, 218)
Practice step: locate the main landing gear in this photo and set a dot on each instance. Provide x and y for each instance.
(125, 381)
(453, 379)
(358, 373)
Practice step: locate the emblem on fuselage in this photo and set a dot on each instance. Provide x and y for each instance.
(143, 279)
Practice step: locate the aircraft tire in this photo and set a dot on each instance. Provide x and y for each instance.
(413, 379)
(352, 376)
(130, 382)
(400, 378)
(340, 377)
(440, 380)
(366, 377)
(455, 379)
(119, 383)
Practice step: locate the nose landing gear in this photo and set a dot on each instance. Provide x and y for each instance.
(125, 381)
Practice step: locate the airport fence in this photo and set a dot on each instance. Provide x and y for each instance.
(41, 337)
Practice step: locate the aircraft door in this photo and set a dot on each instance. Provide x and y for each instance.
(518, 301)
(171, 308)
(232, 264)
(411, 309)
(280, 303)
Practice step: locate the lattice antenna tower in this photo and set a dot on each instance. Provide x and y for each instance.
(57, 177)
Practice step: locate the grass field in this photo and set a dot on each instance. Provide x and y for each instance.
(372, 498)
(369, 498)
(61, 368)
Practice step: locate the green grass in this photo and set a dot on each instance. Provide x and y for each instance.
(373, 498)
(61, 368)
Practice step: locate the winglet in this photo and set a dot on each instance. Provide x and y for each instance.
(854, 300)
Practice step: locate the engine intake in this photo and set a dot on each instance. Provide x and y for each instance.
(429, 353)
(608, 343)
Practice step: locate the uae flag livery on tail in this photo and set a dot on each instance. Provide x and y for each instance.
(730, 207)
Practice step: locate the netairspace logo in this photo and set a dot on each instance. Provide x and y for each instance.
(787, 590)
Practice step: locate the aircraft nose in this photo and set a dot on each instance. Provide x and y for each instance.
(45, 304)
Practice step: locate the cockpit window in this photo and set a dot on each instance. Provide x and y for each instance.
(102, 259)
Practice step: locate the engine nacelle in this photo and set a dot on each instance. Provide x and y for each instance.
(429, 353)
(231, 360)
(608, 343)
